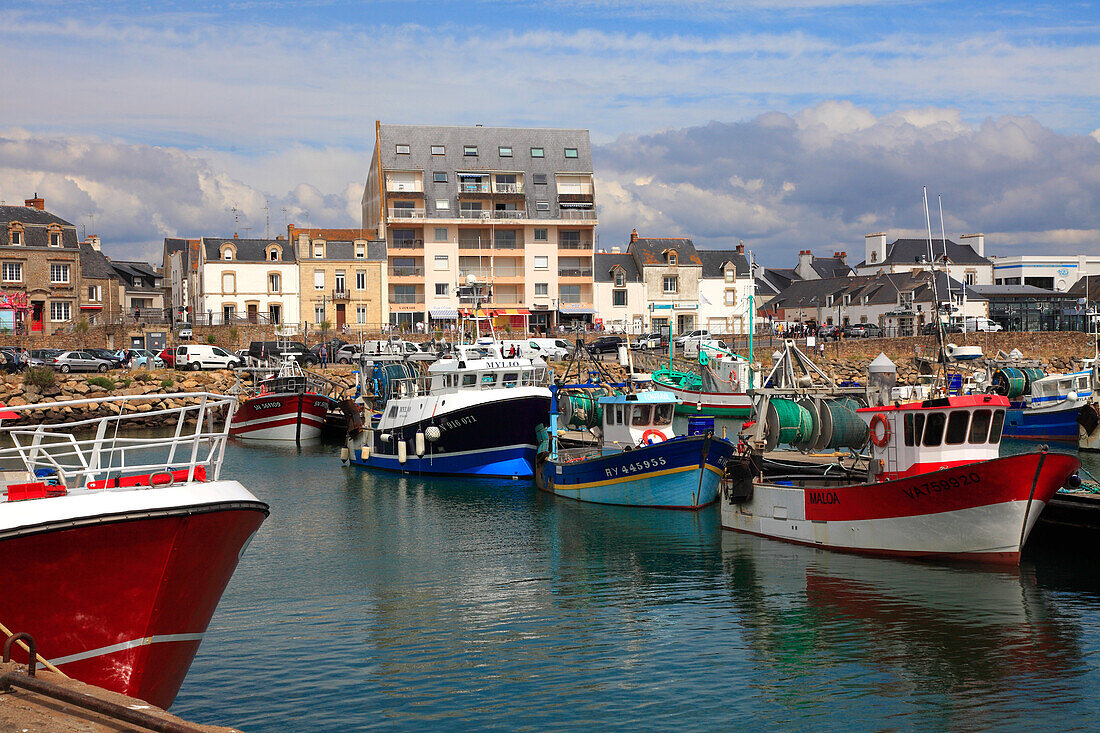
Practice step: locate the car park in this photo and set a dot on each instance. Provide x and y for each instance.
(77, 361)
(205, 356)
(606, 344)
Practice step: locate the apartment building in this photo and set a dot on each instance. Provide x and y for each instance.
(511, 208)
(40, 263)
(342, 277)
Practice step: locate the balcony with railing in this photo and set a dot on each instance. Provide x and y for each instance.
(507, 242)
(406, 213)
(574, 272)
(406, 271)
(508, 188)
(473, 185)
(401, 297)
(572, 244)
(405, 243)
(573, 214)
(341, 294)
(408, 184)
(492, 214)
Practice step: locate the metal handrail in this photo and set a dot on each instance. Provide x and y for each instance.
(80, 460)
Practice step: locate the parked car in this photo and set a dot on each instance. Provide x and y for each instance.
(648, 341)
(39, 356)
(262, 350)
(862, 330)
(606, 344)
(145, 359)
(112, 357)
(348, 354)
(168, 356)
(828, 331)
(205, 356)
(77, 361)
(699, 334)
(548, 348)
(184, 331)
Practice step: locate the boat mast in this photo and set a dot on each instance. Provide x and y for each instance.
(946, 265)
(935, 289)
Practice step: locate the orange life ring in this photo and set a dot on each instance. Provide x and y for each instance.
(880, 419)
(162, 479)
(653, 433)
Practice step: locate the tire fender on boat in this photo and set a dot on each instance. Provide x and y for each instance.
(884, 440)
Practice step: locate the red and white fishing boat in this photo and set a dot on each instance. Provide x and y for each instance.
(117, 545)
(933, 486)
(284, 403)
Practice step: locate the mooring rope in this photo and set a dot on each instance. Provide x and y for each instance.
(41, 660)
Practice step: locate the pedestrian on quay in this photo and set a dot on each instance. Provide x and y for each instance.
(324, 356)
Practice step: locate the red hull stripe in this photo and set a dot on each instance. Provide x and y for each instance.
(960, 487)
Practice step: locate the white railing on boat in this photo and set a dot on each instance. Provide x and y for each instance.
(81, 453)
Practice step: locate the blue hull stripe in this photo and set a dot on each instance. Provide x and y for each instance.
(497, 462)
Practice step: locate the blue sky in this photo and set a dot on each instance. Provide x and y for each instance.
(158, 117)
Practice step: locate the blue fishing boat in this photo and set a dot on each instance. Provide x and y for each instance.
(1049, 410)
(639, 461)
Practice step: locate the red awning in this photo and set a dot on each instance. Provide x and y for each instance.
(90, 307)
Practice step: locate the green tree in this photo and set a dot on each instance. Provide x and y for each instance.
(82, 326)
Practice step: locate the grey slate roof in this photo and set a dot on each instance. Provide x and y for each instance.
(488, 141)
(129, 271)
(763, 287)
(605, 261)
(830, 267)
(878, 289)
(248, 250)
(714, 259)
(29, 215)
(173, 245)
(94, 264)
(909, 251)
(651, 251)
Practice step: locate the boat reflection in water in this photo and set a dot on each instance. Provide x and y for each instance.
(963, 645)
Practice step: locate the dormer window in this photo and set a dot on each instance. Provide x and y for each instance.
(318, 251)
(730, 274)
(620, 278)
(273, 255)
(671, 258)
(55, 235)
(227, 251)
(15, 233)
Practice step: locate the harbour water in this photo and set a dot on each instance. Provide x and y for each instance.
(373, 600)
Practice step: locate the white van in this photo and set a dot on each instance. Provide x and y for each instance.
(205, 356)
(549, 349)
(980, 323)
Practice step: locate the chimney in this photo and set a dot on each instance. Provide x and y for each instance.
(634, 236)
(978, 243)
(94, 241)
(35, 203)
(615, 251)
(234, 235)
(805, 270)
(740, 248)
(876, 248)
(842, 256)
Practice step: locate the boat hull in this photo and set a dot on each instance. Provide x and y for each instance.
(710, 404)
(1048, 425)
(494, 438)
(281, 417)
(122, 599)
(979, 511)
(682, 473)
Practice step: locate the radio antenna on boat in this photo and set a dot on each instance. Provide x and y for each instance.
(935, 290)
(946, 262)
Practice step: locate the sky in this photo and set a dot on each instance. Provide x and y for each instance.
(786, 124)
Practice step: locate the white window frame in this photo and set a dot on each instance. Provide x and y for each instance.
(361, 314)
(442, 205)
(318, 279)
(274, 282)
(501, 150)
(360, 279)
(620, 279)
(542, 289)
(65, 309)
(55, 239)
(442, 263)
(63, 270)
(439, 150)
(17, 269)
(674, 280)
(441, 290)
(318, 251)
(16, 238)
(232, 281)
(403, 149)
(544, 260)
(438, 231)
(542, 206)
(542, 235)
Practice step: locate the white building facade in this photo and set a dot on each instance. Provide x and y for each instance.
(1050, 272)
(965, 261)
(248, 281)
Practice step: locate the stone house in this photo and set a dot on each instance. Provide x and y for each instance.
(39, 269)
(99, 286)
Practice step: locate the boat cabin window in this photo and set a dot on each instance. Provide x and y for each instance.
(914, 426)
(979, 426)
(510, 379)
(1082, 384)
(956, 427)
(933, 429)
(488, 379)
(525, 378)
(469, 380)
(662, 414)
(995, 428)
(641, 415)
(393, 411)
(618, 414)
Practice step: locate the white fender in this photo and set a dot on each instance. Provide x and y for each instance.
(402, 451)
(419, 443)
